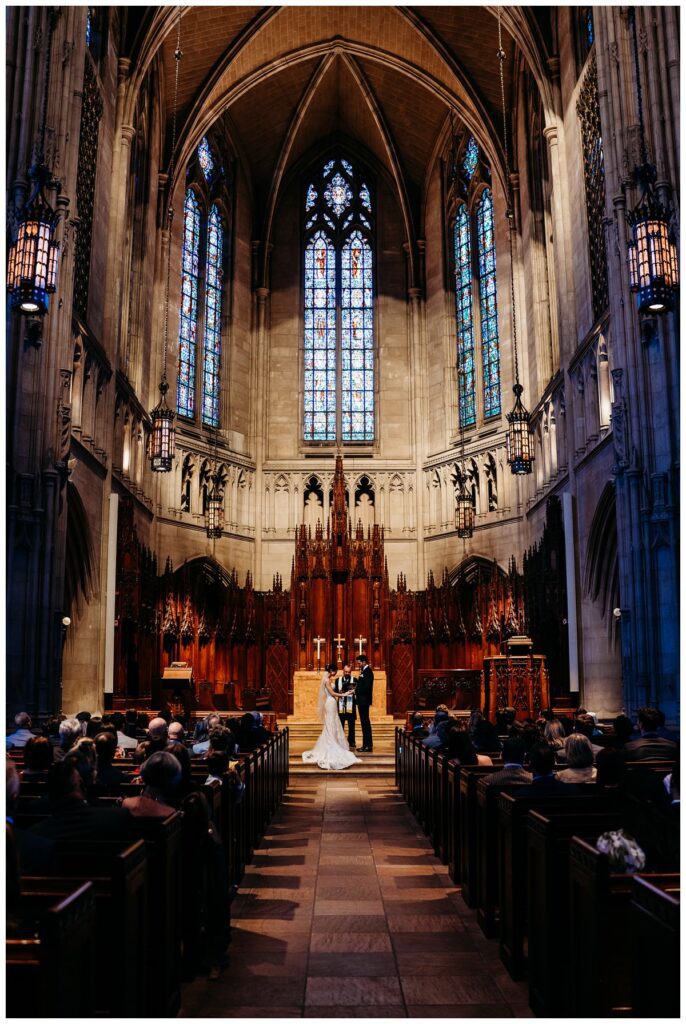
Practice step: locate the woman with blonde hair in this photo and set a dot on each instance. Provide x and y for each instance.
(579, 760)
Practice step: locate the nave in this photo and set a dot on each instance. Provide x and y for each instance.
(346, 912)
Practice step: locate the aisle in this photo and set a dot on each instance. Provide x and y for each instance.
(345, 911)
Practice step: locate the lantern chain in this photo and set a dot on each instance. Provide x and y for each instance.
(170, 185)
(508, 194)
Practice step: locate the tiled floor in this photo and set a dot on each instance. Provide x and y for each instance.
(345, 912)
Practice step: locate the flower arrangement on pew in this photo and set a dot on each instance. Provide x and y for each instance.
(624, 853)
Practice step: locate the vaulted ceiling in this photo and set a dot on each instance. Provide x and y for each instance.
(284, 78)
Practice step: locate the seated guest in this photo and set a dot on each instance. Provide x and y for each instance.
(418, 727)
(70, 732)
(84, 756)
(51, 729)
(438, 730)
(222, 739)
(459, 747)
(185, 785)
(554, 734)
(142, 752)
(579, 758)
(662, 730)
(38, 756)
(109, 777)
(22, 734)
(94, 726)
(512, 773)
(623, 731)
(252, 732)
(161, 775)
(125, 741)
(202, 734)
(584, 725)
(542, 762)
(157, 734)
(610, 768)
(217, 766)
(485, 736)
(176, 733)
(72, 817)
(130, 727)
(35, 854)
(504, 721)
(651, 746)
(142, 723)
(84, 718)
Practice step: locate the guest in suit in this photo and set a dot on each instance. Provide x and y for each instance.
(651, 746)
(542, 762)
(364, 696)
(345, 684)
(438, 732)
(418, 727)
(513, 772)
(22, 734)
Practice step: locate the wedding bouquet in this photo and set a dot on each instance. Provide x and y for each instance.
(623, 851)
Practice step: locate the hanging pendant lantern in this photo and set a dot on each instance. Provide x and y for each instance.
(652, 251)
(464, 515)
(653, 259)
(214, 512)
(32, 261)
(520, 449)
(161, 446)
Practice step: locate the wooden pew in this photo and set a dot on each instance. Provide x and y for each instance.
(462, 788)
(548, 840)
(654, 925)
(50, 961)
(118, 873)
(512, 853)
(600, 932)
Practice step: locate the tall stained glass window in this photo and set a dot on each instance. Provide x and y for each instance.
(185, 388)
(490, 341)
(213, 316)
(463, 310)
(339, 307)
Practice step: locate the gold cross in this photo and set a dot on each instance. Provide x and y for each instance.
(360, 640)
(340, 640)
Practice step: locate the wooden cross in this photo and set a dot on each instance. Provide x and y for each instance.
(318, 641)
(360, 640)
(340, 640)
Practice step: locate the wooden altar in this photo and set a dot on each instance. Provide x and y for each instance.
(306, 694)
(518, 682)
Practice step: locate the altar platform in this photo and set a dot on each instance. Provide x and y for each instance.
(306, 692)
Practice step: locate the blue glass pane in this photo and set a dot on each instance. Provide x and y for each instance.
(211, 382)
(357, 340)
(188, 320)
(490, 342)
(465, 326)
(205, 158)
(365, 198)
(319, 420)
(471, 157)
(311, 198)
(338, 194)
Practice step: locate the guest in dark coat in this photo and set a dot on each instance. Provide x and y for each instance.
(109, 778)
(651, 746)
(542, 763)
(513, 772)
(418, 727)
(71, 817)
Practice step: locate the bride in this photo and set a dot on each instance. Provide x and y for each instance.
(331, 749)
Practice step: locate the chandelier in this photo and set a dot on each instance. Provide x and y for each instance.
(162, 435)
(652, 250)
(33, 257)
(519, 442)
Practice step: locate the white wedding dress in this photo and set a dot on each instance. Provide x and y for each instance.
(331, 750)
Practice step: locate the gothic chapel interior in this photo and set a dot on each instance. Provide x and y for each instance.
(338, 332)
(302, 228)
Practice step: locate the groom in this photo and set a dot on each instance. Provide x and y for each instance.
(363, 696)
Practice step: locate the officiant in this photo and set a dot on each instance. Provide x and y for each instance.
(347, 706)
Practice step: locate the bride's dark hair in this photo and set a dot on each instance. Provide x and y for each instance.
(331, 669)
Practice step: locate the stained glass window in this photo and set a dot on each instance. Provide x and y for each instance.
(588, 18)
(213, 317)
(465, 326)
(320, 340)
(490, 342)
(89, 25)
(471, 157)
(339, 308)
(357, 340)
(185, 388)
(205, 158)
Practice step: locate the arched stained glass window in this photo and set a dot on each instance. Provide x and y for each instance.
(463, 310)
(320, 340)
(357, 340)
(185, 388)
(339, 342)
(490, 341)
(213, 317)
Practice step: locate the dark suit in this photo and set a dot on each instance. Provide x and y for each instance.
(651, 747)
(510, 776)
(342, 685)
(73, 819)
(363, 696)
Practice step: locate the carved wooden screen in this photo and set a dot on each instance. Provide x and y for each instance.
(278, 676)
(402, 674)
(588, 109)
(91, 112)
